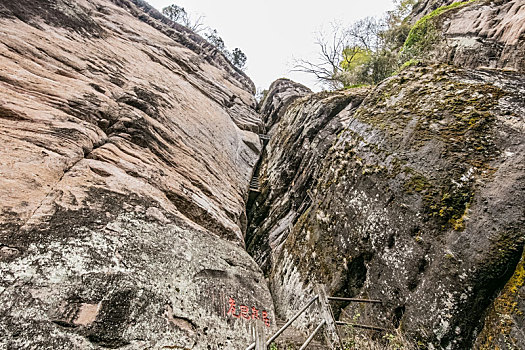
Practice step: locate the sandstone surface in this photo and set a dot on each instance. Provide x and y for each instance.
(128, 143)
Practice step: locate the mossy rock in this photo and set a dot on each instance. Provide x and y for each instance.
(424, 33)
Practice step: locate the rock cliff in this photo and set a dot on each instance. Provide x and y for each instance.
(479, 33)
(128, 143)
(411, 192)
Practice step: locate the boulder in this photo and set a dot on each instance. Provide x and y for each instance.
(410, 193)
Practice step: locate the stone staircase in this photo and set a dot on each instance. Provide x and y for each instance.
(292, 339)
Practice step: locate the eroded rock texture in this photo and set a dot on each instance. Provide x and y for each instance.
(505, 324)
(287, 166)
(411, 193)
(481, 33)
(128, 144)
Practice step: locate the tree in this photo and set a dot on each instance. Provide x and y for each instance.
(213, 38)
(344, 54)
(174, 13)
(364, 53)
(327, 68)
(397, 25)
(365, 34)
(178, 14)
(238, 58)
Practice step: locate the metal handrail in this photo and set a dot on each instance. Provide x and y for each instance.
(357, 325)
(323, 322)
(355, 300)
(311, 337)
(287, 324)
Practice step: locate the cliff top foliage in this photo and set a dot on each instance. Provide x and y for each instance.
(423, 33)
(364, 53)
(196, 23)
(370, 50)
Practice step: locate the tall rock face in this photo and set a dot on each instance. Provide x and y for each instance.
(280, 95)
(298, 124)
(411, 192)
(505, 320)
(128, 144)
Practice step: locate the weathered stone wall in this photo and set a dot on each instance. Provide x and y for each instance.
(481, 33)
(505, 320)
(127, 147)
(412, 194)
(417, 201)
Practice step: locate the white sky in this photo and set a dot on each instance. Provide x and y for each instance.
(272, 32)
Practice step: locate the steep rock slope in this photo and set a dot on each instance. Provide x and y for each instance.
(128, 143)
(288, 165)
(505, 321)
(280, 95)
(418, 201)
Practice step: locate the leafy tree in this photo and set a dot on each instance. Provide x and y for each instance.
(238, 58)
(179, 15)
(174, 12)
(355, 56)
(213, 38)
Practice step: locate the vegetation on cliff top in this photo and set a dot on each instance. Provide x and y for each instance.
(179, 15)
(423, 33)
(364, 53)
(371, 50)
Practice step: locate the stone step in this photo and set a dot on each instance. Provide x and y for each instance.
(292, 339)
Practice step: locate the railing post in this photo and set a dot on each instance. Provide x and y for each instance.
(260, 339)
(332, 335)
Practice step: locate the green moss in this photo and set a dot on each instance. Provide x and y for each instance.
(417, 183)
(411, 62)
(424, 33)
(457, 115)
(423, 110)
(458, 224)
(499, 321)
(446, 203)
(355, 86)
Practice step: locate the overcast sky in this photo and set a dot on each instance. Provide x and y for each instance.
(272, 32)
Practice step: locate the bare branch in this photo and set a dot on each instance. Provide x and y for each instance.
(349, 56)
(327, 68)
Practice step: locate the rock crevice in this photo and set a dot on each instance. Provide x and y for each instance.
(128, 146)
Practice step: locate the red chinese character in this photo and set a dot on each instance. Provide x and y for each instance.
(255, 313)
(232, 308)
(265, 318)
(245, 310)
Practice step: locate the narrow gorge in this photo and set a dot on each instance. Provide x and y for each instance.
(129, 218)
